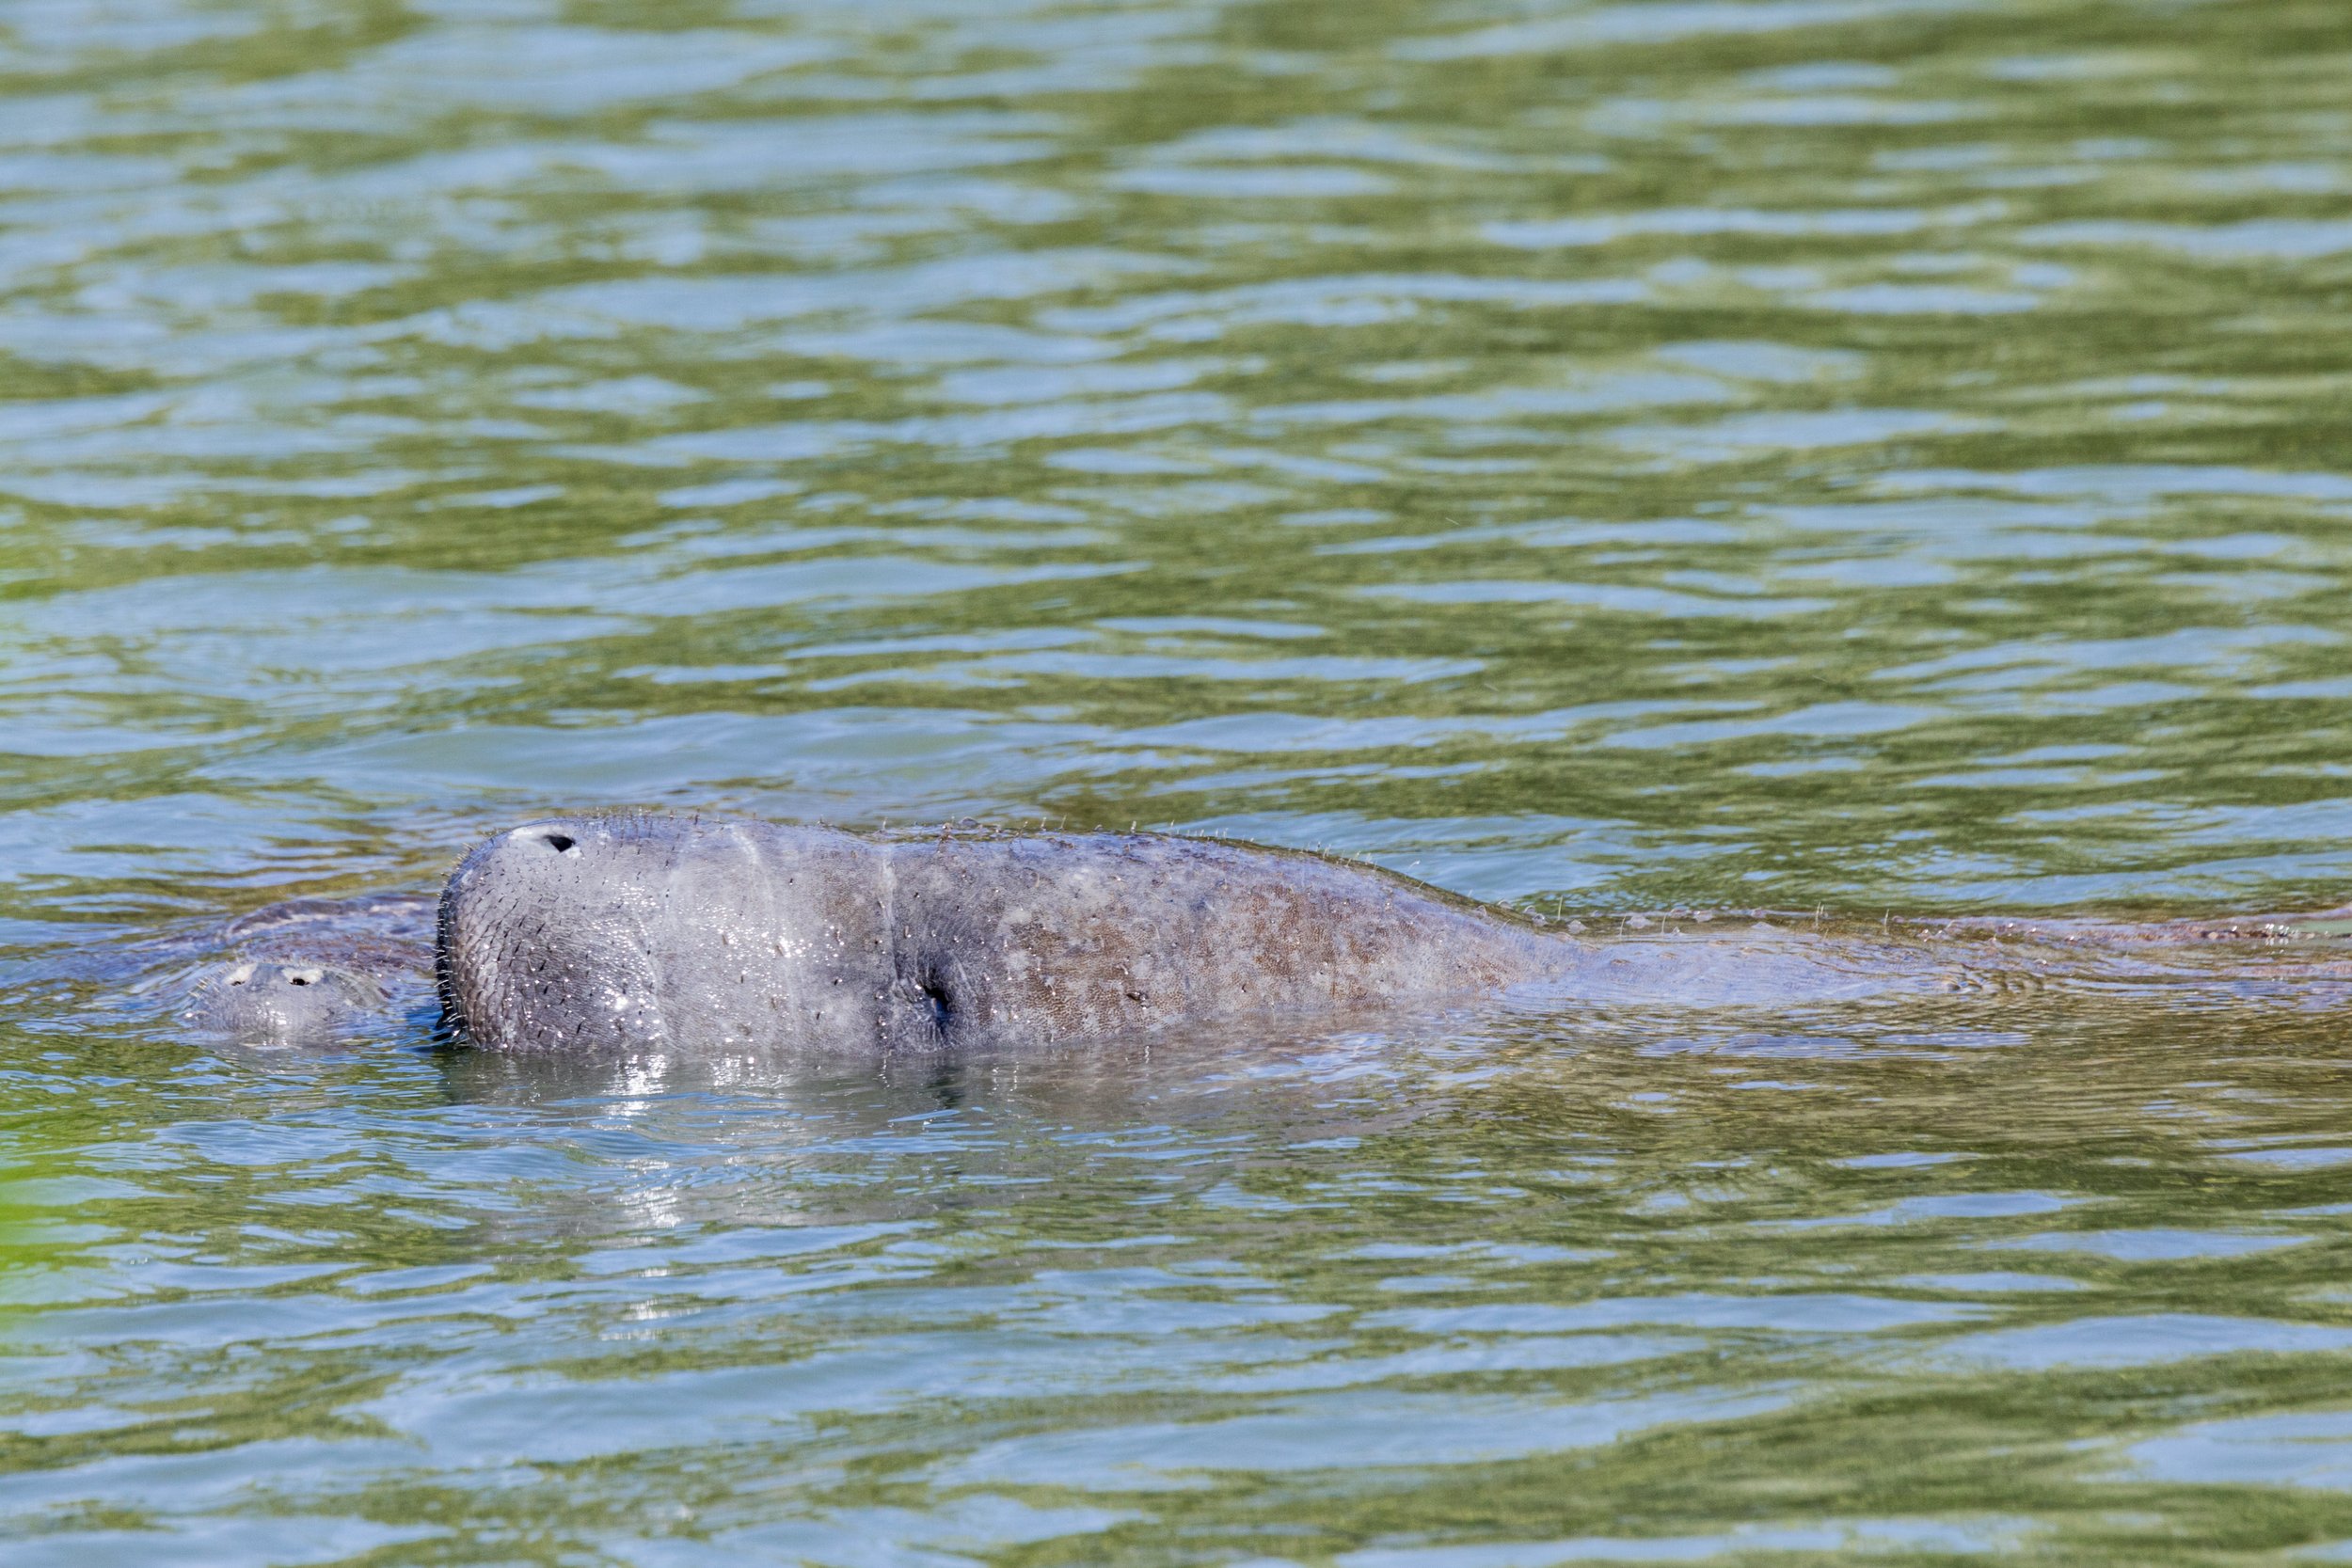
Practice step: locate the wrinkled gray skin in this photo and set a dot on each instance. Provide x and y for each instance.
(647, 932)
(277, 1003)
(307, 971)
(665, 933)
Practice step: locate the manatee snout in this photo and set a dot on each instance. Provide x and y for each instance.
(259, 1003)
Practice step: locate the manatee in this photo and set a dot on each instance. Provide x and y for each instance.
(307, 971)
(649, 932)
(275, 1003)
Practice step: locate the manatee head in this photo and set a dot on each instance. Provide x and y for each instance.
(544, 940)
(260, 1002)
(645, 931)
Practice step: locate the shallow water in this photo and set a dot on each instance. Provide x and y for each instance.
(1862, 455)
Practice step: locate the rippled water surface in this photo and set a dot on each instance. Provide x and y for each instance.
(1617, 456)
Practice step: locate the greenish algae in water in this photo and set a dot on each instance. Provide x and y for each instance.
(1866, 455)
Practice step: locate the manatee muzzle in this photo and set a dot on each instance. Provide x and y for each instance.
(261, 1003)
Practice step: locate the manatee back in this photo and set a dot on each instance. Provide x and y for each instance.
(1059, 937)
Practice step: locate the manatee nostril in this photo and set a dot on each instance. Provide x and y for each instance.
(560, 843)
(943, 1011)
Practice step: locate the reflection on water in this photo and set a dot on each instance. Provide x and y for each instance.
(1862, 453)
(1358, 1295)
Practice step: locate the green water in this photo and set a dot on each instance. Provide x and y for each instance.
(1862, 455)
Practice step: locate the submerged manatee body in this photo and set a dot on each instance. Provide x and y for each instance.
(653, 932)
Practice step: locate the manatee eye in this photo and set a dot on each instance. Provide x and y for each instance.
(560, 843)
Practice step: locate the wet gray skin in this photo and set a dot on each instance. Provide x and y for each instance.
(280, 1004)
(308, 971)
(664, 931)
